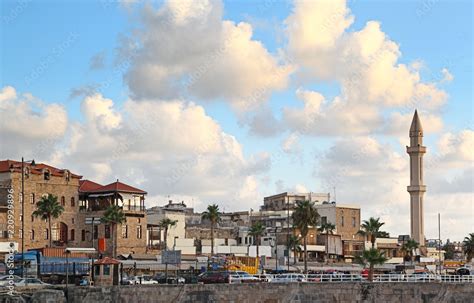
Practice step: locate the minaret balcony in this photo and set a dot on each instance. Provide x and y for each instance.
(416, 149)
(416, 188)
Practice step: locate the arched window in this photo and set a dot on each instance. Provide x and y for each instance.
(32, 234)
(55, 232)
(73, 202)
(46, 234)
(63, 201)
(73, 236)
(83, 235)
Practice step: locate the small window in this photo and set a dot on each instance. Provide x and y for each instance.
(83, 235)
(63, 201)
(21, 218)
(139, 232)
(97, 270)
(342, 221)
(73, 235)
(107, 231)
(21, 198)
(20, 233)
(353, 221)
(32, 234)
(106, 270)
(324, 220)
(46, 234)
(32, 218)
(72, 220)
(32, 199)
(96, 232)
(73, 202)
(124, 231)
(46, 175)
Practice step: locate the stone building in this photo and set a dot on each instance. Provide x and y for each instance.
(39, 180)
(283, 200)
(130, 237)
(84, 203)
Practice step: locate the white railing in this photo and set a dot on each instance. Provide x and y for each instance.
(378, 278)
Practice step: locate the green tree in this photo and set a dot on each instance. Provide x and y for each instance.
(327, 228)
(47, 208)
(468, 246)
(304, 217)
(257, 230)
(113, 215)
(214, 216)
(449, 250)
(294, 244)
(370, 229)
(166, 224)
(371, 257)
(409, 247)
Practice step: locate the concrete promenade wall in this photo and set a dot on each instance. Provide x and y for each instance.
(276, 293)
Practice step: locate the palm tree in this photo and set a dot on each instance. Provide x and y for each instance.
(304, 217)
(212, 214)
(165, 224)
(47, 208)
(329, 229)
(113, 215)
(408, 248)
(370, 229)
(294, 244)
(468, 246)
(257, 230)
(371, 257)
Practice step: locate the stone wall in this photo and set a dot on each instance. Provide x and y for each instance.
(276, 293)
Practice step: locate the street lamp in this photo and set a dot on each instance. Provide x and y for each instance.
(23, 213)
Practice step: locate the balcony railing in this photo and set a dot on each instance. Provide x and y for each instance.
(124, 208)
(133, 208)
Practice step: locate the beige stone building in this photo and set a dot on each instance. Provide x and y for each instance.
(39, 180)
(283, 200)
(84, 203)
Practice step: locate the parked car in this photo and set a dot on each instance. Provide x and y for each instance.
(242, 277)
(144, 279)
(31, 282)
(5, 280)
(284, 278)
(463, 271)
(211, 277)
(161, 278)
(422, 277)
(264, 277)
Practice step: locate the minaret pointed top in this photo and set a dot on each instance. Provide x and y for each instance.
(416, 128)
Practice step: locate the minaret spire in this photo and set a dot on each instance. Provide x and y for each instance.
(416, 150)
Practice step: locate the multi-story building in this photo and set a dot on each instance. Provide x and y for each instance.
(288, 200)
(130, 236)
(346, 219)
(39, 180)
(84, 203)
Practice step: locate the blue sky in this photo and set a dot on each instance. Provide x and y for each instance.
(47, 49)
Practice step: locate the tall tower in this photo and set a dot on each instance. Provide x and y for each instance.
(416, 150)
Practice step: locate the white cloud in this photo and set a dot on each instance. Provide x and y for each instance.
(447, 76)
(170, 147)
(365, 63)
(28, 125)
(187, 47)
(374, 176)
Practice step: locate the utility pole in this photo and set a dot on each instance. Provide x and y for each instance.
(439, 242)
(22, 217)
(288, 232)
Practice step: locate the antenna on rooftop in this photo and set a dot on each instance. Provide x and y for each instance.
(335, 194)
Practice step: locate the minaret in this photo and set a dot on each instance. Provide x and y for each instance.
(416, 189)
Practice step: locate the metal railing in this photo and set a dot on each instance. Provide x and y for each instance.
(378, 278)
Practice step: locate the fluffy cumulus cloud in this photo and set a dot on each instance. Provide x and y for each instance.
(168, 148)
(374, 176)
(28, 125)
(187, 48)
(365, 63)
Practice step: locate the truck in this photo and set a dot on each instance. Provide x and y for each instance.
(52, 264)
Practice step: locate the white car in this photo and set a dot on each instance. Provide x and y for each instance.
(145, 280)
(286, 278)
(242, 277)
(31, 282)
(5, 280)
